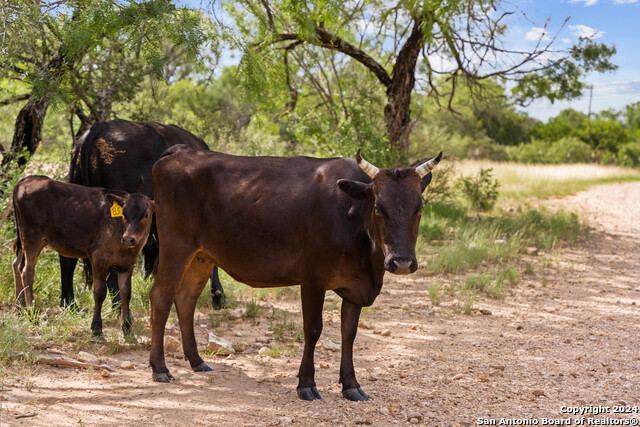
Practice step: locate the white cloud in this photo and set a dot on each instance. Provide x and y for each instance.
(586, 2)
(586, 32)
(566, 40)
(624, 1)
(536, 33)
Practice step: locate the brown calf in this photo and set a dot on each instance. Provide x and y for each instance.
(108, 228)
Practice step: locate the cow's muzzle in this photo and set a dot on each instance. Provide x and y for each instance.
(129, 241)
(401, 265)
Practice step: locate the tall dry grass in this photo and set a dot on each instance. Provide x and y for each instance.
(520, 181)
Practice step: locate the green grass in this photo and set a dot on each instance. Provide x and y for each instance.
(435, 293)
(466, 242)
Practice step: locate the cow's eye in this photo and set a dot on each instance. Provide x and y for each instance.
(146, 216)
(377, 210)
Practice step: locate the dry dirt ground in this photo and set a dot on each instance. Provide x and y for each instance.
(566, 336)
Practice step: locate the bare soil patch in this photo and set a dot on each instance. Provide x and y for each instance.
(566, 336)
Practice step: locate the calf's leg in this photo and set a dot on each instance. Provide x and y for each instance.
(192, 285)
(18, 266)
(124, 287)
(172, 264)
(67, 267)
(312, 302)
(349, 315)
(99, 294)
(28, 264)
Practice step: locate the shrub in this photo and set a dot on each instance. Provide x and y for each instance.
(481, 191)
(564, 150)
(629, 154)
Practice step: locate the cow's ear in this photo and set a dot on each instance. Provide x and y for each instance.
(111, 197)
(153, 206)
(426, 180)
(355, 189)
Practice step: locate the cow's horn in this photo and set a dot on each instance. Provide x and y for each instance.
(428, 166)
(367, 167)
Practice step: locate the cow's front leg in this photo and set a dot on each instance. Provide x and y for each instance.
(349, 315)
(124, 288)
(194, 281)
(171, 267)
(99, 294)
(312, 302)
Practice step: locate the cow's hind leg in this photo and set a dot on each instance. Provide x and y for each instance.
(349, 315)
(312, 302)
(124, 287)
(218, 298)
(172, 263)
(113, 286)
(193, 282)
(67, 267)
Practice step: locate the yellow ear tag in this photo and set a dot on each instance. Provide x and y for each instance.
(116, 210)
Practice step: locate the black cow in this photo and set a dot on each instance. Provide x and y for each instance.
(119, 155)
(323, 224)
(109, 228)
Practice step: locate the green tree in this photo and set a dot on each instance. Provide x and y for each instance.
(565, 124)
(632, 115)
(603, 134)
(46, 42)
(391, 42)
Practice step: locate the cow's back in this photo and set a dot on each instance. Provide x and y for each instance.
(119, 154)
(262, 219)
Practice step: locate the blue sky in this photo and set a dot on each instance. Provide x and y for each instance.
(613, 22)
(609, 21)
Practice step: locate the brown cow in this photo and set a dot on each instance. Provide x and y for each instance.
(323, 224)
(107, 227)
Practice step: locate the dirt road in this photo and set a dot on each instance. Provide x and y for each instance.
(567, 336)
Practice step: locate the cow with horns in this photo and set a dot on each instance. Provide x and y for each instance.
(324, 224)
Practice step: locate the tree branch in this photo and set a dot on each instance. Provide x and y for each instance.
(331, 41)
(14, 99)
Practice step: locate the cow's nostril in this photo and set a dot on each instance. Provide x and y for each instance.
(403, 265)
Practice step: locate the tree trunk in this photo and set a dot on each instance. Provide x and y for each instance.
(28, 130)
(397, 112)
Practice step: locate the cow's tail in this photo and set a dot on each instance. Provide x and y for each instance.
(88, 273)
(80, 159)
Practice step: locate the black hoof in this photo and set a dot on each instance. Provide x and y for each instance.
(163, 377)
(203, 367)
(356, 394)
(97, 336)
(308, 393)
(219, 301)
(130, 338)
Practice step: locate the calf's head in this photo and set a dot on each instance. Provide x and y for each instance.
(393, 207)
(136, 215)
